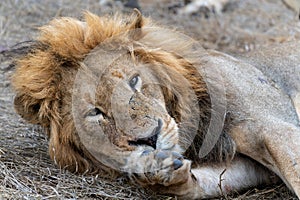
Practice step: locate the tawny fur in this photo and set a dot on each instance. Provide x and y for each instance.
(43, 77)
(258, 114)
(62, 44)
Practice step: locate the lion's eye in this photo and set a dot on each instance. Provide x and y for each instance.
(94, 112)
(134, 83)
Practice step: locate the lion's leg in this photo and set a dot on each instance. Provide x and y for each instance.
(223, 179)
(275, 144)
(167, 172)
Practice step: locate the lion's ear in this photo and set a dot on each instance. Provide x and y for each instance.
(138, 19)
(137, 22)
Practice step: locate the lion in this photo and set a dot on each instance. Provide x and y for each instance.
(122, 96)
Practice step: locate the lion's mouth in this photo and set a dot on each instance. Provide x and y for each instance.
(148, 141)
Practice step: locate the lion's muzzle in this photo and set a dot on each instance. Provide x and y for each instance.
(151, 140)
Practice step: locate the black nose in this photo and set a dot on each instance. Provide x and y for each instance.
(157, 129)
(152, 139)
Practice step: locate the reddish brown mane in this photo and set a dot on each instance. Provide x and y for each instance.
(44, 77)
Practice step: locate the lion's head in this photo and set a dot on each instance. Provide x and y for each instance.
(112, 87)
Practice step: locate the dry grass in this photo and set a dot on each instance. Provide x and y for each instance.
(26, 171)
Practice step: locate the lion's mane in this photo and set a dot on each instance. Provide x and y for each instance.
(44, 78)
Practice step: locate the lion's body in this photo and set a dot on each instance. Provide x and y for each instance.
(123, 95)
(247, 87)
(281, 64)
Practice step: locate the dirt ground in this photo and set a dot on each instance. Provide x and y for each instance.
(26, 171)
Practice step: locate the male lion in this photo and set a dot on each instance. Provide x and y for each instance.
(121, 95)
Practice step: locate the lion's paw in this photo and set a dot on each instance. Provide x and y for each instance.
(160, 167)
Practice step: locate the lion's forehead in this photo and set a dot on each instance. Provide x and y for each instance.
(114, 93)
(117, 74)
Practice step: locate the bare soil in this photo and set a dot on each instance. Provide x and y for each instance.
(26, 171)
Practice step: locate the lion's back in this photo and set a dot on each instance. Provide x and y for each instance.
(250, 92)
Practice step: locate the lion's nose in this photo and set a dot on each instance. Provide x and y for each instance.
(152, 139)
(157, 129)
